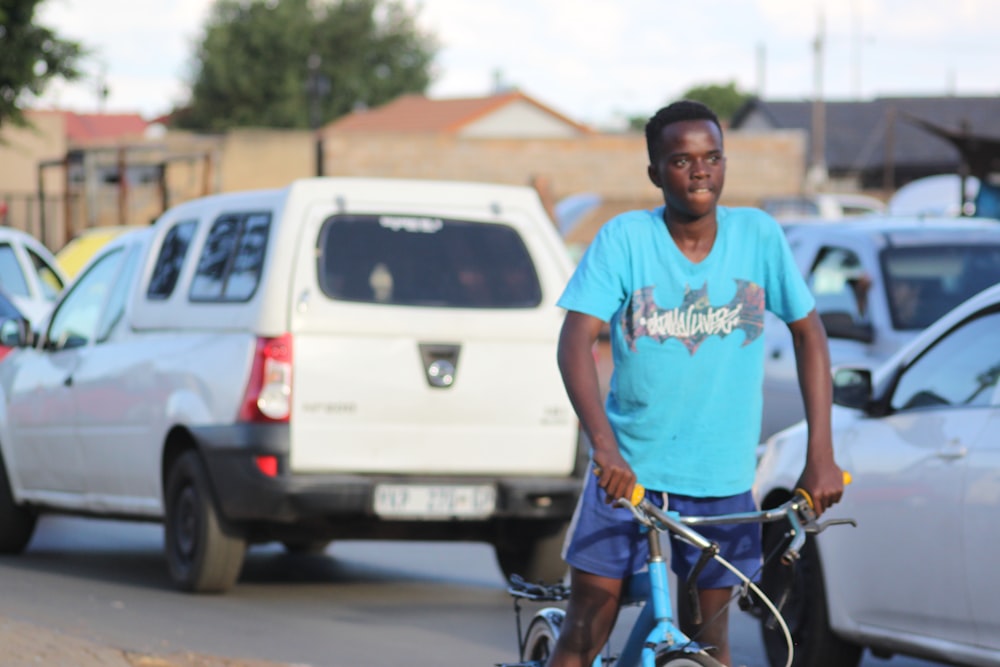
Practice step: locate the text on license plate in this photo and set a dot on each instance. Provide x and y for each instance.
(404, 501)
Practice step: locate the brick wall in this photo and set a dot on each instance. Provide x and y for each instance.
(613, 166)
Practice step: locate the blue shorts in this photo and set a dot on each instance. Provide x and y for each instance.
(607, 541)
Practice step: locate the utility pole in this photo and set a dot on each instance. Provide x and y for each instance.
(858, 38)
(317, 87)
(817, 175)
(761, 69)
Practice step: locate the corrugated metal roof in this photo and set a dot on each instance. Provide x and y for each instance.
(860, 135)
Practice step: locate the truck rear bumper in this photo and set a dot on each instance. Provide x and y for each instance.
(245, 493)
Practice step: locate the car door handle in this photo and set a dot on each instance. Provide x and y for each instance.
(68, 381)
(953, 450)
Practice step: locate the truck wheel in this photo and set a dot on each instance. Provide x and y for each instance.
(202, 557)
(804, 611)
(532, 549)
(17, 523)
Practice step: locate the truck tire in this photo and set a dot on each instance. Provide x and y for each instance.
(17, 523)
(201, 555)
(532, 549)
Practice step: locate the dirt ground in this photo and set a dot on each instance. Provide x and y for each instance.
(25, 644)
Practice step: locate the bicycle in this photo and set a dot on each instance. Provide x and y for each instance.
(654, 639)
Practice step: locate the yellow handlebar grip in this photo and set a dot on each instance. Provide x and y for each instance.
(809, 500)
(638, 491)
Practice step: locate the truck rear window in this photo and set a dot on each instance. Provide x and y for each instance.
(425, 261)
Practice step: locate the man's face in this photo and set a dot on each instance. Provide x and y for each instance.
(690, 169)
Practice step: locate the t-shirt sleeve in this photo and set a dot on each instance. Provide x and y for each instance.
(788, 295)
(597, 287)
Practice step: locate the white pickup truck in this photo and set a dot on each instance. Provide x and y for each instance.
(337, 359)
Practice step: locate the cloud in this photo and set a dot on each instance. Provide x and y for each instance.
(595, 60)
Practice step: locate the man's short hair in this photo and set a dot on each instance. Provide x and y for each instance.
(675, 113)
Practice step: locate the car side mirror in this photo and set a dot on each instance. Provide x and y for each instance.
(839, 324)
(852, 387)
(16, 333)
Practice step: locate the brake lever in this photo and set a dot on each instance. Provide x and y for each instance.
(819, 526)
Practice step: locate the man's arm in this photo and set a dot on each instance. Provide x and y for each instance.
(821, 477)
(579, 374)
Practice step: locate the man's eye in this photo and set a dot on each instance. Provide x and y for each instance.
(715, 159)
(681, 162)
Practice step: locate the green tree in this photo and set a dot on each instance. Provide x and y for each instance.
(723, 99)
(296, 63)
(31, 56)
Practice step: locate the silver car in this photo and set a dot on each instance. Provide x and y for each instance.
(920, 435)
(878, 282)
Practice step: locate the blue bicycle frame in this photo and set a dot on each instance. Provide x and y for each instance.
(655, 628)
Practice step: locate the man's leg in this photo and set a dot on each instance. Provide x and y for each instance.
(590, 617)
(713, 632)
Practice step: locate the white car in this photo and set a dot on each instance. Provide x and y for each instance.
(921, 437)
(29, 274)
(823, 206)
(877, 284)
(337, 359)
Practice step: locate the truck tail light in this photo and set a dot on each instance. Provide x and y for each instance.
(268, 397)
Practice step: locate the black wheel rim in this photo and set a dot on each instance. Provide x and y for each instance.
(186, 523)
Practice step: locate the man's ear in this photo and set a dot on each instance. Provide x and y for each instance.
(654, 176)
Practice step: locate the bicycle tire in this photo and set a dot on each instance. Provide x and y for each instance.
(805, 611)
(540, 640)
(677, 658)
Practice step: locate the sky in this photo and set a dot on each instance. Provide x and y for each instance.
(597, 61)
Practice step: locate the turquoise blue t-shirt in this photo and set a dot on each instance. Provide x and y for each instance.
(685, 396)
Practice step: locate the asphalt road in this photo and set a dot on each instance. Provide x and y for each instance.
(362, 604)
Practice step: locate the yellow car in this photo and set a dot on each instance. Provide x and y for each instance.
(75, 254)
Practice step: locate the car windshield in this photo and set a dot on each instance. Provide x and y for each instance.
(922, 284)
(421, 261)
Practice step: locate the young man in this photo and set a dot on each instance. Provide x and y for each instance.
(684, 288)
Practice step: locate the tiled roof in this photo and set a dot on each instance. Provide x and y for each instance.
(91, 128)
(417, 113)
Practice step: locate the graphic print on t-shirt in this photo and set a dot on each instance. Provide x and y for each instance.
(695, 319)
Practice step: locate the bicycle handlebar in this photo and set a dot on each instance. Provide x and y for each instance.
(798, 511)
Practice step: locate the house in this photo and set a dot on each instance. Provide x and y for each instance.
(882, 143)
(506, 137)
(510, 115)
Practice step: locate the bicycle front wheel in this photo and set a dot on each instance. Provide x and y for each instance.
(685, 659)
(540, 641)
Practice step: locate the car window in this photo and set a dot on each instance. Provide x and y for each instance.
(75, 320)
(924, 283)
(960, 369)
(8, 311)
(113, 312)
(12, 279)
(48, 278)
(418, 261)
(232, 259)
(170, 260)
(839, 284)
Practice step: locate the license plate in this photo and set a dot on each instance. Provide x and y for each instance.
(406, 501)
